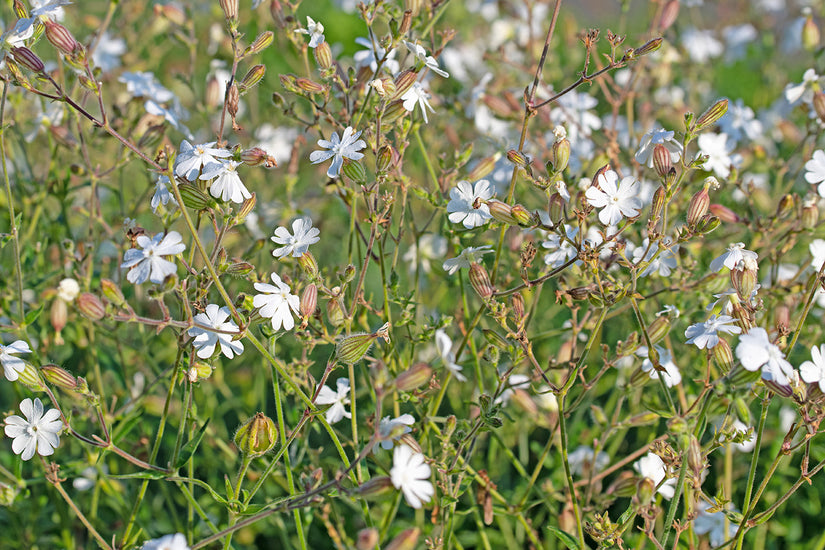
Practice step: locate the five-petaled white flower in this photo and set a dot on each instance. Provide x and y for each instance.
(561, 250)
(713, 524)
(732, 256)
(444, 346)
(38, 432)
(149, 263)
(671, 375)
(144, 84)
(215, 318)
(411, 475)
(461, 206)
(192, 158)
(391, 429)
(227, 185)
(337, 399)
(417, 95)
(704, 334)
(429, 61)
(756, 351)
(470, 255)
(303, 235)
(162, 194)
(315, 30)
(815, 171)
(657, 136)
(167, 542)
(582, 462)
(615, 201)
(718, 149)
(276, 302)
(346, 147)
(653, 468)
(813, 371)
(13, 365)
(429, 247)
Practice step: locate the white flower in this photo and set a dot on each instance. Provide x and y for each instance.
(162, 194)
(615, 202)
(704, 334)
(168, 542)
(276, 302)
(417, 95)
(560, 249)
(444, 346)
(373, 55)
(315, 30)
(38, 432)
(429, 61)
(411, 475)
(663, 264)
(718, 150)
(813, 371)
(462, 197)
(756, 351)
(140, 84)
(701, 45)
(671, 374)
(16, 37)
(582, 463)
(13, 365)
(470, 255)
(192, 158)
(430, 247)
(149, 263)
(303, 235)
(653, 468)
(713, 524)
(108, 51)
(815, 171)
(227, 185)
(339, 149)
(739, 122)
(49, 10)
(657, 136)
(68, 289)
(733, 255)
(205, 341)
(804, 91)
(391, 429)
(337, 399)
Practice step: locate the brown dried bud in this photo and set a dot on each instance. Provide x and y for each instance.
(669, 14)
(658, 204)
(28, 59)
(662, 162)
(481, 281)
(61, 38)
(230, 9)
(406, 19)
(309, 301)
(404, 82)
(782, 313)
(517, 305)
(725, 214)
(415, 376)
(709, 117)
(58, 376)
(90, 306)
(323, 55)
(232, 100)
(252, 78)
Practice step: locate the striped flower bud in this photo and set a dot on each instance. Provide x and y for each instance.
(561, 154)
(698, 207)
(517, 305)
(668, 16)
(308, 264)
(662, 162)
(658, 329)
(262, 42)
(415, 376)
(386, 159)
(112, 293)
(743, 277)
(393, 112)
(90, 306)
(193, 197)
(810, 212)
(786, 206)
(355, 171)
(482, 169)
(648, 47)
(61, 38)
(725, 214)
(257, 436)
(309, 301)
(500, 211)
(406, 540)
(257, 156)
(723, 356)
(353, 348)
(376, 487)
(58, 376)
(323, 55)
(480, 281)
(713, 114)
(522, 216)
(518, 158)
(28, 59)
(404, 82)
(230, 9)
(252, 77)
(31, 378)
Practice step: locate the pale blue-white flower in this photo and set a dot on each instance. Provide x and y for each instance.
(147, 262)
(277, 303)
(705, 335)
(411, 475)
(192, 158)
(735, 253)
(227, 184)
(13, 365)
(206, 340)
(297, 243)
(417, 95)
(315, 30)
(470, 255)
(616, 201)
(338, 149)
(338, 398)
(38, 432)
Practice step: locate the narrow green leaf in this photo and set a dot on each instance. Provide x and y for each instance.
(191, 446)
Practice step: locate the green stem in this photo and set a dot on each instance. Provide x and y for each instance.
(747, 505)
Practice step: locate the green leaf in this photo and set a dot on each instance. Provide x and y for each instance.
(32, 316)
(190, 447)
(141, 475)
(566, 538)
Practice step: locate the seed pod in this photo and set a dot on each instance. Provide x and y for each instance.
(233, 97)
(257, 436)
(355, 171)
(743, 277)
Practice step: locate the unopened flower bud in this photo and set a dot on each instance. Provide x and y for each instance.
(723, 356)
(112, 293)
(482, 169)
(289, 82)
(261, 43)
(323, 55)
(786, 206)
(698, 207)
(578, 293)
(368, 538)
(90, 306)
(199, 371)
(518, 158)
(658, 329)
(376, 487)
(61, 38)
(59, 376)
(59, 315)
(782, 314)
(668, 16)
(743, 277)
(415, 376)
(561, 154)
(500, 211)
(230, 9)
(662, 162)
(355, 171)
(28, 59)
(252, 77)
(335, 314)
(257, 156)
(810, 34)
(172, 12)
(309, 301)
(724, 213)
(695, 458)
(709, 117)
(557, 208)
(310, 86)
(233, 97)
(404, 82)
(495, 339)
(810, 213)
(193, 197)
(257, 436)
(657, 205)
(648, 47)
(386, 159)
(393, 112)
(645, 489)
(522, 216)
(353, 348)
(480, 281)
(31, 378)
(308, 264)
(708, 223)
(20, 10)
(406, 540)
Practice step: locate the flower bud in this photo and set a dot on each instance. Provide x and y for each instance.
(90, 306)
(709, 117)
(59, 315)
(376, 487)
(309, 301)
(386, 159)
(252, 77)
(58, 376)
(368, 538)
(743, 277)
(695, 458)
(725, 214)
(415, 376)
(786, 206)
(261, 43)
(662, 162)
(193, 197)
(480, 281)
(648, 47)
(172, 12)
(310, 86)
(230, 9)
(257, 156)
(406, 19)
(698, 207)
(323, 55)
(723, 356)
(495, 339)
(658, 329)
(557, 208)
(112, 293)
(500, 211)
(657, 204)
(740, 377)
(668, 16)
(522, 216)
(233, 97)
(393, 112)
(518, 158)
(482, 169)
(384, 86)
(645, 489)
(28, 59)
(404, 82)
(257, 436)
(810, 34)
(810, 212)
(353, 348)
(355, 171)
(561, 154)
(708, 223)
(289, 82)
(335, 314)
(407, 540)
(20, 10)
(308, 264)
(30, 378)
(61, 38)
(199, 371)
